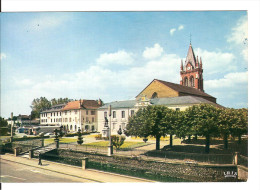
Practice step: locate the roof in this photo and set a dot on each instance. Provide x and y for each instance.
(182, 100)
(184, 89)
(74, 105)
(57, 107)
(179, 88)
(179, 100)
(190, 57)
(120, 104)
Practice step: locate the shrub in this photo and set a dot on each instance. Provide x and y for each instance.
(98, 137)
(117, 140)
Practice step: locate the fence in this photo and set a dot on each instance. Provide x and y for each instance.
(242, 160)
(209, 158)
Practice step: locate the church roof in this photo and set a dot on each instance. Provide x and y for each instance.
(184, 89)
(190, 57)
(181, 89)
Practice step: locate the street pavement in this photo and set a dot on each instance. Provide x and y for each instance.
(75, 173)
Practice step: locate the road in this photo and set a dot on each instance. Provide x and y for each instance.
(12, 172)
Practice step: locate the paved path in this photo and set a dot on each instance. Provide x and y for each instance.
(74, 171)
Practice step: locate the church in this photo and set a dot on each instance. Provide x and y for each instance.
(189, 92)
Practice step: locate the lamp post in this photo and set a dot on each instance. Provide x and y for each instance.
(12, 123)
(110, 146)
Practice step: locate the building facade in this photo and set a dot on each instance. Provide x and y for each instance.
(72, 116)
(52, 116)
(174, 96)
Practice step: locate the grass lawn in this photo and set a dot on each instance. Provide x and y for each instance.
(62, 140)
(127, 144)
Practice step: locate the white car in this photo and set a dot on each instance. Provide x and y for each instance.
(49, 134)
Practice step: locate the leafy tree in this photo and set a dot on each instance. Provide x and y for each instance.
(206, 122)
(240, 123)
(226, 120)
(38, 105)
(117, 140)
(176, 118)
(3, 127)
(80, 139)
(151, 120)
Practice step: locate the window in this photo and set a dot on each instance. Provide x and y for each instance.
(192, 81)
(123, 114)
(186, 81)
(65, 112)
(105, 114)
(60, 113)
(86, 112)
(54, 114)
(114, 114)
(87, 119)
(51, 114)
(155, 95)
(75, 111)
(132, 112)
(93, 119)
(70, 119)
(93, 112)
(51, 120)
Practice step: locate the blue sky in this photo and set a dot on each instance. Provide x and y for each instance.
(114, 55)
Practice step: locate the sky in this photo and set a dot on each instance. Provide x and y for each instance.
(115, 55)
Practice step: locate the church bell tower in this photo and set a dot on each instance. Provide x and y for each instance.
(191, 71)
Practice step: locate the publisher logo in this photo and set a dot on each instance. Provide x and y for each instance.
(230, 174)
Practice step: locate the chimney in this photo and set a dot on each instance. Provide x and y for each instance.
(99, 102)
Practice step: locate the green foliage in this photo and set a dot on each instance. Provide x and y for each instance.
(80, 139)
(42, 103)
(151, 120)
(117, 140)
(3, 127)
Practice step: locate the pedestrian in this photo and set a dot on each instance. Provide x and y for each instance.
(40, 159)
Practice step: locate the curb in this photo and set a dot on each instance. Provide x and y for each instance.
(77, 167)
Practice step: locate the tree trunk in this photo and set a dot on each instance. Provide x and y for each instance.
(226, 141)
(171, 140)
(158, 142)
(239, 139)
(196, 137)
(189, 138)
(207, 144)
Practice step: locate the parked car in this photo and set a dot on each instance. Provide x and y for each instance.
(49, 134)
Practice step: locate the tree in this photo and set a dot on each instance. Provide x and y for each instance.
(206, 122)
(3, 127)
(240, 123)
(38, 105)
(176, 118)
(151, 120)
(225, 121)
(80, 139)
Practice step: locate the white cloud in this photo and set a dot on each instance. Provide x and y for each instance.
(119, 58)
(230, 80)
(239, 36)
(172, 31)
(215, 62)
(2, 56)
(153, 52)
(180, 27)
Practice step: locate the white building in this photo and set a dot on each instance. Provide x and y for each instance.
(122, 110)
(73, 115)
(52, 116)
